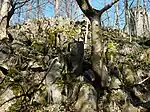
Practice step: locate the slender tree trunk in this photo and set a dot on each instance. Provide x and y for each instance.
(97, 52)
(107, 14)
(19, 14)
(145, 19)
(38, 9)
(116, 18)
(86, 33)
(97, 45)
(67, 3)
(56, 7)
(28, 10)
(4, 18)
(126, 27)
(137, 16)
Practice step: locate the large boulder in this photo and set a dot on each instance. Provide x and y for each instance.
(87, 99)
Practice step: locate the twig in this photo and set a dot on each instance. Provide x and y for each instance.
(16, 97)
(143, 80)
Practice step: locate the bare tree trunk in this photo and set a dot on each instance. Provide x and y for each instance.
(97, 45)
(126, 27)
(86, 33)
(19, 14)
(72, 9)
(137, 16)
(7, 10)
(145, 19)
(66, 8)
(3, 18)
(107, 14)
(28, 9)
(116, 18)
(38, 9)
(56, 7)
(67, 3)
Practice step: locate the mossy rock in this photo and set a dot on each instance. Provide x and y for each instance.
(129, 77)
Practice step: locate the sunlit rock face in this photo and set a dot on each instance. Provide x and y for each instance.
(8, 94)
(87, 99)
(54, 88)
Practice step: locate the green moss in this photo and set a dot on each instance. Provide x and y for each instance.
(12, 72)
(129, 77)
(1, 99)
(111, 50)
(60, 83)
(16, 106)
(39, 46)
(117, 95)
(16, 89)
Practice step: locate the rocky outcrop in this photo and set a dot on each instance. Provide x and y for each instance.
(46, 68)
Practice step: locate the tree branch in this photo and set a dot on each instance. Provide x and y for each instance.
(91, 12)
(87, 8)
(20, 4)
(13, 98)
(108, 6)
(14, 6)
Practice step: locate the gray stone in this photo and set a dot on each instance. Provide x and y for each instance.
(87, 99)
(8, 94)
(52, 87)
(54, 94)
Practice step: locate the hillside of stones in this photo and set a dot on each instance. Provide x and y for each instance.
(39, 61)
